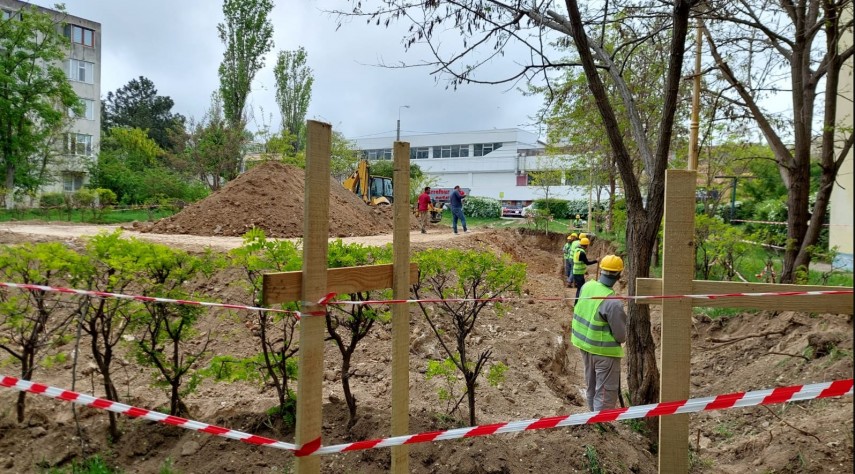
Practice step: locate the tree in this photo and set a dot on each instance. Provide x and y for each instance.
(248, 35)
(753, 44)
(31, 321)
(114, 265)
(210, 149)
(349, 325)
(35, 96)
(137, 105)
(293, 91)
(163, 341)
(476, 278)
(275, 332)
(492, 26)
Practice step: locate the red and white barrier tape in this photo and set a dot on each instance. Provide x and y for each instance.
(147, 299)
(793, 393)
(90, 401)
(331, 301)
(328, 299)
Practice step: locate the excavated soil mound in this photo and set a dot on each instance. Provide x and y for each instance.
(270, 196)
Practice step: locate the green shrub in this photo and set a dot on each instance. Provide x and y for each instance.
(476, 206)
(49, 200)
(556, 208)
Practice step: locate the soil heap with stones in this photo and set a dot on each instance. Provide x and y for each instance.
(270, 196)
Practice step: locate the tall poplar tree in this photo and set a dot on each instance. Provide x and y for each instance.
(248, 35)
(293, 92)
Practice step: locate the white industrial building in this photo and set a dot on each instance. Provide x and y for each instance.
(492, 163)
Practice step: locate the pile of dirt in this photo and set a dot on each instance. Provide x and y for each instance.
(270, 196)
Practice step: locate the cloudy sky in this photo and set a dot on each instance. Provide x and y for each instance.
(174, 43)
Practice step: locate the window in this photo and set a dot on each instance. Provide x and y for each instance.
(72, 182)
(482, 149)
(378, 154)
(10, 14)
(88, 110)
(80, 35)
(419, 153)
(450, 151)
(79, 144)
(81, 71)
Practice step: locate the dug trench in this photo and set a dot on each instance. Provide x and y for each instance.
(743, 351)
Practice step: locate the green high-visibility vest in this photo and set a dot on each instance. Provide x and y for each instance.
(568, 250)
(573, 246)
(578, 265)
(589, 331)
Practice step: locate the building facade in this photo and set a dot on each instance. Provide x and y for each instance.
(842, 196)
(497, 163)
(78, 147)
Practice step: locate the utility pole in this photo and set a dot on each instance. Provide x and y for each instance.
(398, 134)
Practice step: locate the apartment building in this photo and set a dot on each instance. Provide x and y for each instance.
(78, 147)
(492, 163)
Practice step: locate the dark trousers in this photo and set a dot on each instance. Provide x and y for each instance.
(457, 214)
(579, 280)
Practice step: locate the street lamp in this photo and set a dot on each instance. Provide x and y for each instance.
(398, 135)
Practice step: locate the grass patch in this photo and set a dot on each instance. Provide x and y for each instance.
(110, 216)
(719, 313)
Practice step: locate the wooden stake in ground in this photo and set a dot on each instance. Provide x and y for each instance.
(316, 212)
(401, 312)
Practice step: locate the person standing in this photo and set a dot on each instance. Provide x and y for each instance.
(580, 264)
(456, 203)
(424, 209)
(598, 330)
(567, 252)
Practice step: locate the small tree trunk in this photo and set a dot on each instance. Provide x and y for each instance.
(797, 220)
(470, 395)
(345, 386)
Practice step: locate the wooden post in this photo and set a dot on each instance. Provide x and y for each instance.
(678, 270)
(401, 312)
(316, 231)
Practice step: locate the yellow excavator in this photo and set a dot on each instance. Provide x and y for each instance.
(374, 190)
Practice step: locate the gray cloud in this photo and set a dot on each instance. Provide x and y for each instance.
(175, 44)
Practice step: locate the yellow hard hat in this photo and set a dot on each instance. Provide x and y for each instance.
(573, 236)
(583, 235)
(578, 216)
(584, 241)
(611, 263)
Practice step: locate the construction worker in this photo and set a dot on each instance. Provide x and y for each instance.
(598, 330)
(580, 264)
(567, 251)
(577, 222)
(573, 246)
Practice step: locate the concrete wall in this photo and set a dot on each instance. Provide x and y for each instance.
(842, 197)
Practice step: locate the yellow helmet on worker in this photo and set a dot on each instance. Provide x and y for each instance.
(572, 236)
(578, 216)
(611, 263)
(584, 242)
(583, 235)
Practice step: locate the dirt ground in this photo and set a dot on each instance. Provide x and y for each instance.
(544, 379)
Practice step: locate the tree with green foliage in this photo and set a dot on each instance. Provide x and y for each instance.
(475, 278)
(35, 97)
(276, 333)
(247, 34)
(210, 149)
(349, 325)
(166, 330)
(32, 321)
(762, 47)
(137, 105)
(293, 92)
(134, 167)
(113, 266)
(490, 28)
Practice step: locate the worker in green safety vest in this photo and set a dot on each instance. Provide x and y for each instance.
(580, 263)
(598, 330)
(567, 254)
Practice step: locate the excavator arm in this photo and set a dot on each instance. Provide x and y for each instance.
(372, 190)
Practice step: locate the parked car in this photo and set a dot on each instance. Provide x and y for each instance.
(512, 211)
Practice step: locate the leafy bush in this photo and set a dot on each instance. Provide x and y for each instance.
(477, 206)
(557, 208)
(49, 200)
